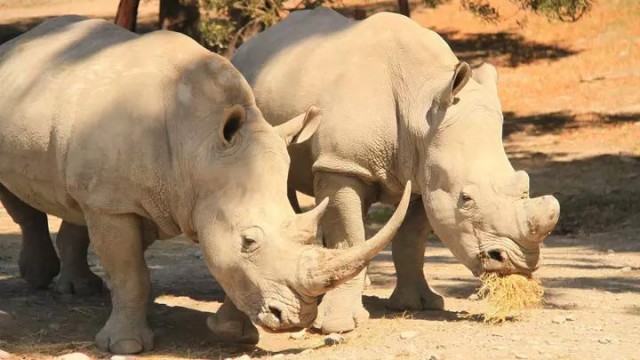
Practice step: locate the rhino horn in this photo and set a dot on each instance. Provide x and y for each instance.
(305, 226)
(541, 216)
(321, 270)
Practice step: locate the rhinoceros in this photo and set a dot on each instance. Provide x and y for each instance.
(133, 138)
(398, 106)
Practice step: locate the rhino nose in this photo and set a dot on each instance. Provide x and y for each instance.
(495, 255)
(496, 261)
(276, 312)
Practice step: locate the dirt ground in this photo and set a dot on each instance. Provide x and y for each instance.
(571, 96)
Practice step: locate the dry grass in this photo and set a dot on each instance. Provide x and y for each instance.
(509, 295)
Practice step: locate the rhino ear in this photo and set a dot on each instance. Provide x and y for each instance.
(487, 75)
(461, 76)
(300, 128)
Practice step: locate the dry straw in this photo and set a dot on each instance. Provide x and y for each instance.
(509, 295)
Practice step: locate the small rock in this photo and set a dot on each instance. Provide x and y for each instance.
(298, 334)
(277, 356)
(474, 297)
(334, 339)
(570, 317)
(604, 341)
(626, 269)
(611, 252)
(433, 357)
(308, 351)
(73, 356)
(197, 254)
(408, 334)
(4, 354)
(118, 357)
(54, 326)
(521, 356)
(559, 319)
(516, 338)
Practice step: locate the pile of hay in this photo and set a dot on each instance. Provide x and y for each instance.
(509, 295)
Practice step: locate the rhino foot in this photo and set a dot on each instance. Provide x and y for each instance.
(39, 266)
(415, 297)
(79, 282)
(230, 325)
(341, 311)
(120, 339)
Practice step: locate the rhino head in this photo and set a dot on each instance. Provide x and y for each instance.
(477, 204)
(234, 203)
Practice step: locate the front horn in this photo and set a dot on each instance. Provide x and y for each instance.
(541, 216)
(321, 270)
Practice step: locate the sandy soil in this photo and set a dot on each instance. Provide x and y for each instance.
(571, 96)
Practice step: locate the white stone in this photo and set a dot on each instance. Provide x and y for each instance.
(559, 319)
(474, 297)
(521, 356)
(74, 356)
(118, 357)
(626, 269)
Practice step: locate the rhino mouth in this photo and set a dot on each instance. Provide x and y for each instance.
(277, 315)
(505, 255)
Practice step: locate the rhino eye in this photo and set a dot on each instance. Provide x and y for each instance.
(251, 239)
(249, 244)
(466, 201)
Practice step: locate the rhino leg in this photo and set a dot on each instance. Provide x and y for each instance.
(412, 291)
(38, 260)
(75, 277)
(341, 309)
(231, 325)
(117, 240)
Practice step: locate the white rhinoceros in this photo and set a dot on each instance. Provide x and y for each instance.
(133, 138)
(398, 106)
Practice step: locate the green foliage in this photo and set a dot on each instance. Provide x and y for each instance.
(562, 10)
(227, 22)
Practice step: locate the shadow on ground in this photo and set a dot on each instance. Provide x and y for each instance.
(556, 122)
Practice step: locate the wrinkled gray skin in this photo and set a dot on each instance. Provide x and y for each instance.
(398, 106)
(133, 138)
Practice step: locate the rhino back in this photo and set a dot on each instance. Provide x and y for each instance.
(363, 74)
(82, 114)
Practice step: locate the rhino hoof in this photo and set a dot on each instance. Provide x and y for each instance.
(335, 315)
(415, 298)
(125, 342)
(83, 283)
(38, 271)
(233, 331)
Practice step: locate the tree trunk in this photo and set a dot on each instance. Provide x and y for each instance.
(182, 16)
(127, 14)
(403, 6)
